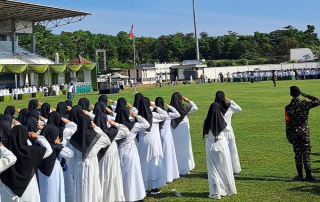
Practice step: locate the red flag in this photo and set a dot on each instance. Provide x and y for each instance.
(131, 33)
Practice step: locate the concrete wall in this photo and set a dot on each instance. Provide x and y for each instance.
(301, 54)
(212, 72)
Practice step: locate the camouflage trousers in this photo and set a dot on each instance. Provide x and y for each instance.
(302, 148)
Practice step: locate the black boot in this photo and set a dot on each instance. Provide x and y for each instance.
(309, 177)
(299, 177)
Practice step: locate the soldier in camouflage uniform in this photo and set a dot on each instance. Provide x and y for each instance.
(297, 130)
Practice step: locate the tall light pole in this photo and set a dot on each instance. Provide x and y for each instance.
(195, 29)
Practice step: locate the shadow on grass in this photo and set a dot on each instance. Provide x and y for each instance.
(315, 154)
(183, 194)
(263, 178)
(202, 175)
(313, 189)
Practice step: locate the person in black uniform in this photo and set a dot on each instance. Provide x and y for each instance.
(297, 130)
(274, 78)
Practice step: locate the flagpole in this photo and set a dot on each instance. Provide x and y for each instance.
(134, 61)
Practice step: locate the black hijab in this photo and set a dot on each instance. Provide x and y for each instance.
(101, 120)
(221, 99)
(34, 113)
(99, 107)
(63, 110)
(122, 102)
(122, 117)
(6, 117)
(69, 103)
(33, 104)
(104, 99)
(32, 124)
(18, 176)
(5, 129)
(159, 102)
(144, 111)
(24, 113)
(137, 99)
(214, 121)
(85, 137)
(176, 102)
(50, 132)
(55, 119)
(45, 110)
(10, 110)
(75, 114)
(84, 103)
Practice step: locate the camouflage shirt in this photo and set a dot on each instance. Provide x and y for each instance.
(297, 112)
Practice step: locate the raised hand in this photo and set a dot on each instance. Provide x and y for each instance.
(65, 120)
(33, 135)
(69, 108)
(93, 125)
(40, 127)
(227, 99)
(129, 105)
(134, 115)
(185, 99)
(112, 123)
(92, 106)
(85, 112)
(167, 105)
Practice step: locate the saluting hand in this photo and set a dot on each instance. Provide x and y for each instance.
(167, 105)
(18, 110)
(134, 115)
(85, 112)
(129, 105)
(227, 99)
(65, 120)
(185, 99)
(93, 125)
(42, 118)
(69, 108)
(112, 123)
(40, 127)
(33, 135)
(111, 101)
(39, 104)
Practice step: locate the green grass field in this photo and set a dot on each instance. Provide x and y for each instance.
(266, 157)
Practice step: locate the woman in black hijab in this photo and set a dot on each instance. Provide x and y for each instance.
(51, 175)
(20, 178)
(23, 115)
(122, 102)
(101, 120)
(104, 99)
(84, 103)
(63, 110)
(219, 165)
(34, 113)
(159, 102)
(180, 128)
(85, 144)
(5, 129)
(45, 110)
(32, 124)
(11, 110)
(99, 107)
(75, 114)
(144, 111)
(122, 117)
(6, 117)
(33, 104)
(55, 119)
(137, 99)
(221, 100)
(69, 103)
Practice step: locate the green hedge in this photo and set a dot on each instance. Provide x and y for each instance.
(241, 62)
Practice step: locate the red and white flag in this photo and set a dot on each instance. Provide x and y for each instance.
(131, 33)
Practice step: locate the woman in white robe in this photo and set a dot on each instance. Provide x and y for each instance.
(109, 162)
(167, 141)
(219, 166)
(133, 186)
(228, 110)
(84, 164)
(27, 161)
(150, 149)
(180, 129)
(57, 90)
(51, 180)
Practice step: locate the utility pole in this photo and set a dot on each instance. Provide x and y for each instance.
(195, 29)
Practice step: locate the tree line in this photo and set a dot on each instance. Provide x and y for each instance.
(273, 47)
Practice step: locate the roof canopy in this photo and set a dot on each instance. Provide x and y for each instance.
(80, 60)
(23, 11)
(117, 75)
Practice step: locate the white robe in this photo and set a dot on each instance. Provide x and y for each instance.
(110, 170)
(133, 186)
(7, 159)
(169, 152)
(57, 90)
(151, 156)
(219, 166)
(52, 187)
(231, 138)
(87, 187)
(69, 130)
(182, 143)
(31, 193)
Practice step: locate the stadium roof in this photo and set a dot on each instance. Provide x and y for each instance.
(24, 11)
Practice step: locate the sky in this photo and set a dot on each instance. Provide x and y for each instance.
(153, 18)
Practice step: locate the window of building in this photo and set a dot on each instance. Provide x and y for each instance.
(3, 37)
(129, 73)
(137, 73)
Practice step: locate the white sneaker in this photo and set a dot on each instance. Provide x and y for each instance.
(216, 196)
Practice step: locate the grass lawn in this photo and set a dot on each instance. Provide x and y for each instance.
(266, 157)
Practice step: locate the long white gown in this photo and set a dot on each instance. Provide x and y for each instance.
(70, 129)
(219, 166)
(7, 159)
(168, 146)
(52, 187)
(110, 170)
(133, 186)
(182, 143)
(31, 193)
(87, 187)
(234, 108)
(151, 156)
